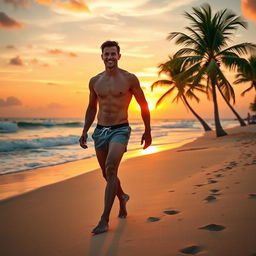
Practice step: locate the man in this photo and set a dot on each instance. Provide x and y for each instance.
(112, 90)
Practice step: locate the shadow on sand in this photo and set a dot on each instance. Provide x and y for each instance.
(107, 244)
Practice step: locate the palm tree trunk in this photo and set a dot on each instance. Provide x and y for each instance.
(200, 119)
(219, 130)
(241, 121)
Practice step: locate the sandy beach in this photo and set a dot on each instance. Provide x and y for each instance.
(198, 199)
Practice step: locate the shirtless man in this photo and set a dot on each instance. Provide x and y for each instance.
(112, 90)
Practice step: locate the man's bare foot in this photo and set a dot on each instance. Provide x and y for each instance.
(101, 227)
(123, 211)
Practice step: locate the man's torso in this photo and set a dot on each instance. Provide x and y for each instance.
(114, 95)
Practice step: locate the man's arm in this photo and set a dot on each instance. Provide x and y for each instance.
(145, 114)
(90, 114)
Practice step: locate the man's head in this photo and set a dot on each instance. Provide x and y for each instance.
(110, 54)
(110, 44)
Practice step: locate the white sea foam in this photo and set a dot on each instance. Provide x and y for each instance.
(17, 145)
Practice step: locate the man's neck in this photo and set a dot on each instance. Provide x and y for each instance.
(111, 71)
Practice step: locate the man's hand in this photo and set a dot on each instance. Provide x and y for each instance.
(82, 140)
(146, 137)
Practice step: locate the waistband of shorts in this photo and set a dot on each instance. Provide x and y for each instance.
(99, 126)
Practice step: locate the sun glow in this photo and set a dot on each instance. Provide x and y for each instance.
(149, 150)
(151, 106)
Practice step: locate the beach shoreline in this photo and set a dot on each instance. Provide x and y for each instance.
(18, 183)
(198, 198)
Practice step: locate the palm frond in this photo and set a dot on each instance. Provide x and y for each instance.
(226, 87)
(233, 62)
(186, 50)
(198, 77)
(164, 96)
(241, 80)
(162, 82)
(248, 89)
(191, 95)
(243, 48)
(188, 72)
(186, 60)
(183, 39)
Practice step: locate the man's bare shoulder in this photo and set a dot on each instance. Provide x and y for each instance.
(97, 77)
(130, 76)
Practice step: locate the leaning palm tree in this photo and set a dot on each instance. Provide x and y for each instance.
(227, 98)
(181, 86)
(247, 73)
(207, 45)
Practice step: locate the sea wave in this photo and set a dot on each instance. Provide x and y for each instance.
(12, 127)
(179, 125)
(21, 144)
(8, 127)
(36, 165)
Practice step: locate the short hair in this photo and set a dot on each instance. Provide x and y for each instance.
(110, 44)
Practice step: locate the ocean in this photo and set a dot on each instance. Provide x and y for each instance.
(31, 143)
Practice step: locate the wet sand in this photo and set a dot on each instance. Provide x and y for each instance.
(198, 199)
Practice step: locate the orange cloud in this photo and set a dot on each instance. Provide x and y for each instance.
(7, 22)
(50, 83)
(18, 3)
(54, 105)
(44, 2)
(10, 46)
(70, 5)
(58, 51)
(17, 61)
(72, 54)
(74, 5)
(55, 51)
(249, 9)
(34, 61)
(10, 101)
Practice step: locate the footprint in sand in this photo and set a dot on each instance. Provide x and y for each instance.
(210, 198)
(199, 185)
(252, 196)
(194, 249)
(213, 227)
(171, 212)
(153, 219)
(214, 190)
(210, 181)
(216, 194)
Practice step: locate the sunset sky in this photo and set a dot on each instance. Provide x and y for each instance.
(49, 49)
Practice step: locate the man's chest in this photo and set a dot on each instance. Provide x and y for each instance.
(112, 88)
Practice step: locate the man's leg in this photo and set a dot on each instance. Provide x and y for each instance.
(114, 156)
(102, 157)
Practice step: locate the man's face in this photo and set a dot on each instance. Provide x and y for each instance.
(110, 56)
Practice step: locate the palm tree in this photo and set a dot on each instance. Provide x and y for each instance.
(182, 86)
(247, 73)
(207, 45)
(227, 100)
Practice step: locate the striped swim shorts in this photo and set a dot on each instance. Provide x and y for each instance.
(104, 135)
